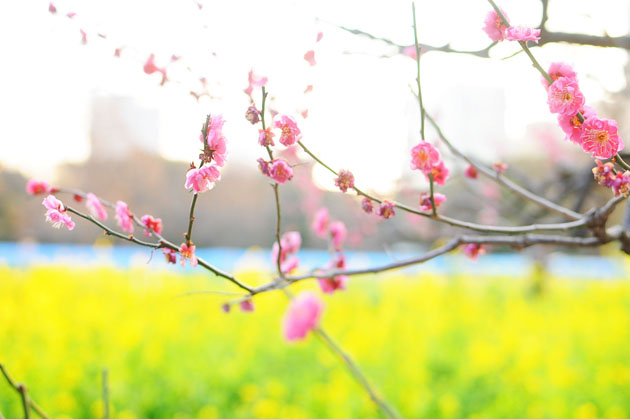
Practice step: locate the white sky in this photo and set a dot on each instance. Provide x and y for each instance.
(359, 111)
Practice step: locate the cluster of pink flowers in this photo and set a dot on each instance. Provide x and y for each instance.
(202, 179)
(337, 232)
(254, 81)
(302, 315)
(36, 187)
(290, 243)
(56, 213)
(151, 224)
(277, 169)
(214, 139)
(426, 158)
(96, 208)
(290, 131)
(473, 250)
(214, 155)
(497, 30)
(579, 122)
(606, 175)
(386, 209)
(425, 201)
(124, 216)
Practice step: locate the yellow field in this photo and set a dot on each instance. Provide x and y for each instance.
(434, 346)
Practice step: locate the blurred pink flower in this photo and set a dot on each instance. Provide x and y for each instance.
(494, 26)
(290, 131)
(425, 201)
(424, 156)
(320, 222)
(247, 305)
(36, 187)
(308, 89)
(170, 255)
(440, 173)
(600, 138)
(410, 52)
(303, 314)
(320, 35)
(151, 223)
(367, 206)
(254, 81)
(83, 36)
(621, 183)
(51, 8)
(604, 173)
(71, 15)
(150, 68)
(280, 171)
(265, 137)
(56, 213)
(470, 172)
(124, 217)
(252, 115)
(500, 167)
(521, 33)
(310, 57)
(338, 233)
(96, 207)
(188, 252)
(473, 250)
(386, 209)
(338, 282)
(216, 140)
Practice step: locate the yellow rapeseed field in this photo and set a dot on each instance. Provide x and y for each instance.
(448, 347)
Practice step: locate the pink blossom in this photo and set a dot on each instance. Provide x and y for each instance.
(170, 255)
(564, 96)
(51, 8)
(280, 171)
(71, 15)
(424, 156)
(56, 213)
(252, 115)
(440, 173)
(470, 172)
(621, 183)
(247, 305)
(150, 68)
(320, 35)
(367, 206)
(473, 250)
(425, 201)
(337, 282)
(304, 113)
(500, 167)
(320, 222)
(124, 217)
(254, 81)
(265, 137)
(494, 26)
(290, 264)
(571, 124)
(303, 314)
(604, 173)
(188, 252)
(216, 140)
(386, 209)
(338, 233)
(521, 33)
(202, 179)
(83, 36)
(96, 207)
(410, 52)
(117, 52)
(310, 57)
(345, 180)
(557, 70)
(291, 242)
(151, 223)
(290, 131)
(600, 138)
(308, 89)
(36, 187)
(263, 166)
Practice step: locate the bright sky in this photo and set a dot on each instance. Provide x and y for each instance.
(360, 112)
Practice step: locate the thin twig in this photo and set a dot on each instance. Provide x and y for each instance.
(105, 394)
(191, 220)
(16, 387)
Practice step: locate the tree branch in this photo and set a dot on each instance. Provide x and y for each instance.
(25, 398)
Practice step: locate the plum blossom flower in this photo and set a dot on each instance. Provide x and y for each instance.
(170, 255)
(308, 89)
(215, 140)
(410, 52)
(599, 137)
(265, 137)
(440, 173)
(571, 124)
(280, 171)
(557, 70)
(247, 305)
(36, 187)
(188, 252)
(521, 33)
(290, 131)
(604, 173)
(494, 26)
(367, 206)
(303, 314)
(202, 179)
(51, 8)
(83, 36)
(252, 115)
(473, 250)
(320, 222)
(310, 57)
(254, 81)
(386, 209)
(424, 156)
(345, 180)
(291, 242)
(337, 282)
(263, 166)
(320, 35)
(470, 172)
(621, 183)
(124, 217)
(564, 96)
(56, 213)
(151, 223)
(95, 207)
(425, 201)
(500, 167)
(338, 233)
